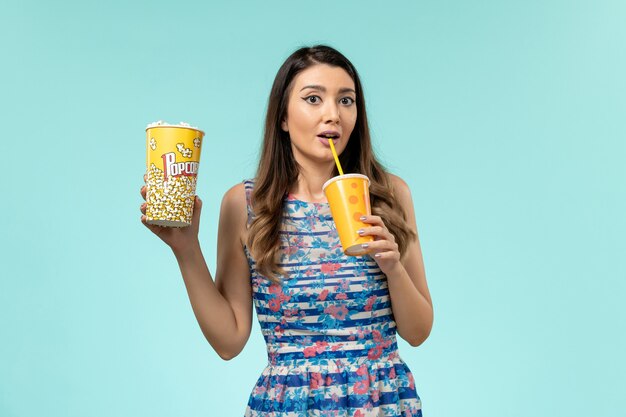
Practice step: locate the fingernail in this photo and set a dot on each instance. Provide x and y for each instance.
(362, 218)
(365, 246)
(360, 231)
(377, 255)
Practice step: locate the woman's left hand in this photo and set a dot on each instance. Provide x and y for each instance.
(384, 248)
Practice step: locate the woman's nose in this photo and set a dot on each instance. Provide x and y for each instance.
(331, 113)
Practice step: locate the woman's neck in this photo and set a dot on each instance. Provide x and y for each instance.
(311, 178)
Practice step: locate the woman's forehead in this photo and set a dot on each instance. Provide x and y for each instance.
(325, 76)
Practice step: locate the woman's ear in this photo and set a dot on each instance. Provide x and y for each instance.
(284, 126)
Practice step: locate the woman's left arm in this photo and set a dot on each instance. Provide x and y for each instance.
(410, 299)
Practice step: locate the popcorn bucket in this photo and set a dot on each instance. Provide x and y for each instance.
(173, 157)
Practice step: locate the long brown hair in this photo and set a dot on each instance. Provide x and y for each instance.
(278, 170)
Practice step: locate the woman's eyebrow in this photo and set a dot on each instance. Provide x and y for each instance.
(323, 89)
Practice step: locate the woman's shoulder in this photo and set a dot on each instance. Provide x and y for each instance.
(234, 213)
(235, 199)
(402, 194)
(400, 188)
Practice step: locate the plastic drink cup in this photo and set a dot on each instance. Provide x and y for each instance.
(349, 199)
(173, 157)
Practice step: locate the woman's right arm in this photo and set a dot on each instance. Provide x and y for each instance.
(223, 308)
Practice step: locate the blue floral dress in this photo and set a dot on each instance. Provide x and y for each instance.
(329, 329)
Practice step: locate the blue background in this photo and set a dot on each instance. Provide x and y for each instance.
(506, 118)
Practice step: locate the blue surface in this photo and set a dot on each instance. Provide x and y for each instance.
(505, 118)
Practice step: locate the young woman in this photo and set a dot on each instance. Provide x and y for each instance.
(329, 320)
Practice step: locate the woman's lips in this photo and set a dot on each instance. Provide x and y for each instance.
(324, 141)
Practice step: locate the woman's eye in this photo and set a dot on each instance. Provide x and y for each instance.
(347, 101)
(312, 99)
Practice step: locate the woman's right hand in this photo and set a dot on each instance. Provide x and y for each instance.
(177, 238)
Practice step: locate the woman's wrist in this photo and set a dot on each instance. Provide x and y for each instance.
(188, 251)
(397, 271)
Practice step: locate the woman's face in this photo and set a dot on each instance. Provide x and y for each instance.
(321, 103)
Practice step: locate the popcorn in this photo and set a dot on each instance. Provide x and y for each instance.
(197, 142)
(170, 200)
(186, 152)
(163, 123)
(153, 143)
(157, 123)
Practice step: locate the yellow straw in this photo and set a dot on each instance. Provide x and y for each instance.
(332, 148)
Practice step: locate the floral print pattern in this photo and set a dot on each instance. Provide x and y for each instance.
(329, 328)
